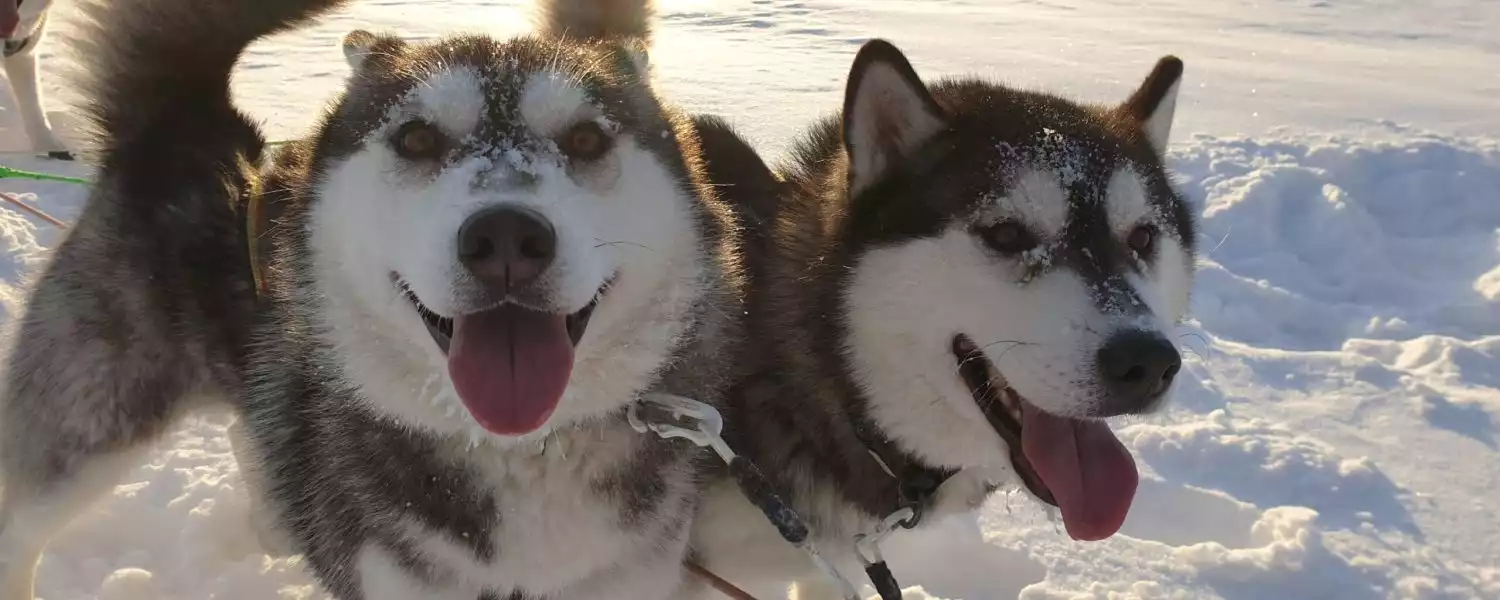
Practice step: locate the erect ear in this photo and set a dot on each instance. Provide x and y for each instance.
(1153, 103)
(357, 45)
(360, 46)
(888, 113)
(639, 54)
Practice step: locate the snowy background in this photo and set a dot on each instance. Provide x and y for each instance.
(1337, 434)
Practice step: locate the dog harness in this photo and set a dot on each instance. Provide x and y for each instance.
(916, 484)
(676, 417)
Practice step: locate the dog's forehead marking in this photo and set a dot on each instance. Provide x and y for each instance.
(1065, 155)
(1125, 199)
(550, 101)
(452, 98)
(1039, 200)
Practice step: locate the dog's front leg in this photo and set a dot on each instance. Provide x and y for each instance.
(659, 576)
(383, 577)
(264, 520)
(25, 85)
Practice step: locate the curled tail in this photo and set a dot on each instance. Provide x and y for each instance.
(175, 157)
(615, 20)
(150, 69)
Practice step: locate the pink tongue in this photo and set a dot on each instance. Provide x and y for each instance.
(1091, 475)
(510, 366)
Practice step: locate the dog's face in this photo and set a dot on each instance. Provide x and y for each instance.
(504, 233)
(1019, 264)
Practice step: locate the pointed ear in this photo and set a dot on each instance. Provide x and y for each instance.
(639, 53)
(888, 113)
(357, 45)
(1153, 104)
(360, 46)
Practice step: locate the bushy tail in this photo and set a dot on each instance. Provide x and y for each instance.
(151, 68)
(598, 19)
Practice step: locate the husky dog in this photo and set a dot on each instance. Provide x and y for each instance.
(23, 23)
(482, 255)
(952, 287)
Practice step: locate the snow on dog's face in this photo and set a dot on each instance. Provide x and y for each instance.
(504, 232)
(1020, 262)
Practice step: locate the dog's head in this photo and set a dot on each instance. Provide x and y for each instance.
(1019, 264)
(505, 235)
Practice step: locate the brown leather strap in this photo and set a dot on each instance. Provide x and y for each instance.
(718, 583)
(16, 200)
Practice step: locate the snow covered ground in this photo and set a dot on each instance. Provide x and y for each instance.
(1339, 433)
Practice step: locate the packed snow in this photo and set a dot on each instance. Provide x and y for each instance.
(1338, 431)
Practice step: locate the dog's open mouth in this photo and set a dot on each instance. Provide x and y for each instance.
(441, 327)
(509, 364)
(1076, 465)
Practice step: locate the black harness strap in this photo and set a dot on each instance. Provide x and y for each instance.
(916, 484)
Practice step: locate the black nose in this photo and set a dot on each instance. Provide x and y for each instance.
(506, 247)
(1136, 367)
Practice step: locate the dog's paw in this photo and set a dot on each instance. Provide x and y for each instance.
(274, 540)
(274, 543)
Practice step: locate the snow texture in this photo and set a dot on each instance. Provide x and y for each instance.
(1337, 430)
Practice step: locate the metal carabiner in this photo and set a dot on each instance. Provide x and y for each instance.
(867, 545)
(672, 416)
(867, 548)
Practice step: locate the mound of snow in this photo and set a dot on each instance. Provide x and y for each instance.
(1342, 240)
(1334, 433)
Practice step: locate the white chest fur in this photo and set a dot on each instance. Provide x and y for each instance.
(561, 532)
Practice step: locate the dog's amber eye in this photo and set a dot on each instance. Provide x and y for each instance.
(584, 141)
(1142, 239)
(1008, 237)
(418, 140)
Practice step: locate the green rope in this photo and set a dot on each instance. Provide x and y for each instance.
(10, 173)
(7, 173)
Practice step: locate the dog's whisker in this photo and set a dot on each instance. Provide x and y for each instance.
(1221, 240)
(1207, 347)
(602, 243)
(978, 354)
(1013, 343)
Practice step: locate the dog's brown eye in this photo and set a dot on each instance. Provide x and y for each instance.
(584, 141)
(418, 140)
(1008, 237)
(1142, 239)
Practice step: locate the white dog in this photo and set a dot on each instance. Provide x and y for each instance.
(22, 24)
